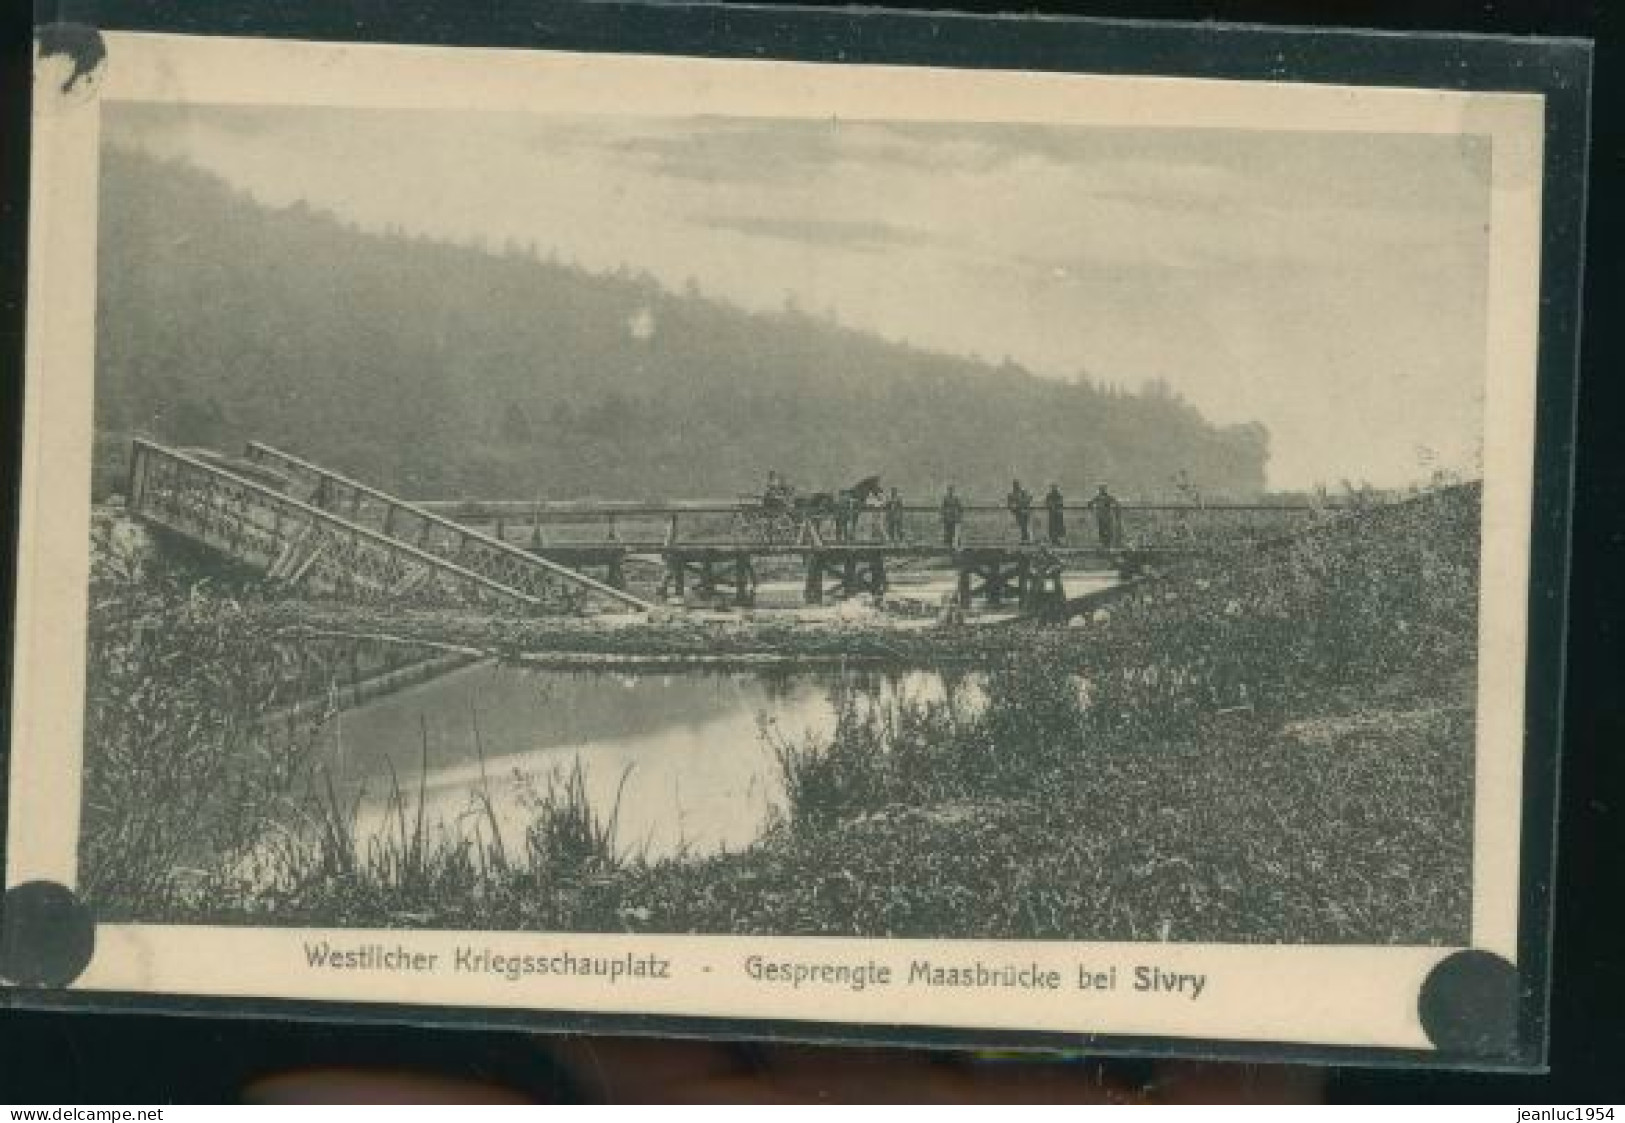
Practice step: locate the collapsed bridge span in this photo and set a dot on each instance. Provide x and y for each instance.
(301, 524)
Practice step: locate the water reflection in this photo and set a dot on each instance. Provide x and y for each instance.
(699, 774)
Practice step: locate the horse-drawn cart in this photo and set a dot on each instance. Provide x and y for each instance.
(758, 521)
(781, 517)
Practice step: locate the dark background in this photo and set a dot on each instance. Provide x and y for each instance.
(65, 1057)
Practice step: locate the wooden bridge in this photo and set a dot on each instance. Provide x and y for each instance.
(705, 552)
(301, 524)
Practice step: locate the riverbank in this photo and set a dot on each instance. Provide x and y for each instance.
(1338, 827)
(1278, 747)
(734, 639)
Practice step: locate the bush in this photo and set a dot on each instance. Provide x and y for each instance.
(825, 780)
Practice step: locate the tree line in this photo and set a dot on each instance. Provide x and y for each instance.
(442, 370)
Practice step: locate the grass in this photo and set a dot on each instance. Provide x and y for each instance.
(567, 835)
(410, 870)
(1240, 835)
(190, 750)
(1273, 746)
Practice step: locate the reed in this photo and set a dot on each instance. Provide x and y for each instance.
(567, 835)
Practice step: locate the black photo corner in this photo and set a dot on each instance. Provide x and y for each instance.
(85, 1056)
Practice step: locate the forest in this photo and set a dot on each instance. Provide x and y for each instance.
(443, 370)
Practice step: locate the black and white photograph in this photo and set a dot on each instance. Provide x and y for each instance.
(1065, 516)
(785, 527)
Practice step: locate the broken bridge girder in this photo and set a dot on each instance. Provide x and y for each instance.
(403, 520)
(289, 538)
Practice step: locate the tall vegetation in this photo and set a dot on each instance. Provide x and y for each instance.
(1386, 599)
(1273, 747)
(1277, 747)
(193, 743)
(203, 781)
(441, 370)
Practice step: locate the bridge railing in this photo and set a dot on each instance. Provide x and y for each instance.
(286, 538)
(468, 546)
(649, 525)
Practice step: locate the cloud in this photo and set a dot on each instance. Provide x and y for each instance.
(825, 232)
(722, 151)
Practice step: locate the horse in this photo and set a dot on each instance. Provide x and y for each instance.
(842, 506)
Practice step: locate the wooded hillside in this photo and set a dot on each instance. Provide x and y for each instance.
(441, 370)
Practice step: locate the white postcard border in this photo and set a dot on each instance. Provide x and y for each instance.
(1324, 995)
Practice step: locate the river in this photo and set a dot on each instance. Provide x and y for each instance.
(688, 755)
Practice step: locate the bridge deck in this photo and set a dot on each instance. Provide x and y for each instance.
(574, 530)
(564, 551)
(301, 523)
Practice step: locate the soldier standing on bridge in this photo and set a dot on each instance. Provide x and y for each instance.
(1055, 507)
(1108, 518)
(894, 517)
(777, 495)
(953, 514)
(846, 516)
(1020, 502)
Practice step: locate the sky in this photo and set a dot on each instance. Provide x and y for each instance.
(1331, 286)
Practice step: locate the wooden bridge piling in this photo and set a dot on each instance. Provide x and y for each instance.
(845, 571)
(813, 590)
(995, 574)
(716, 573)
